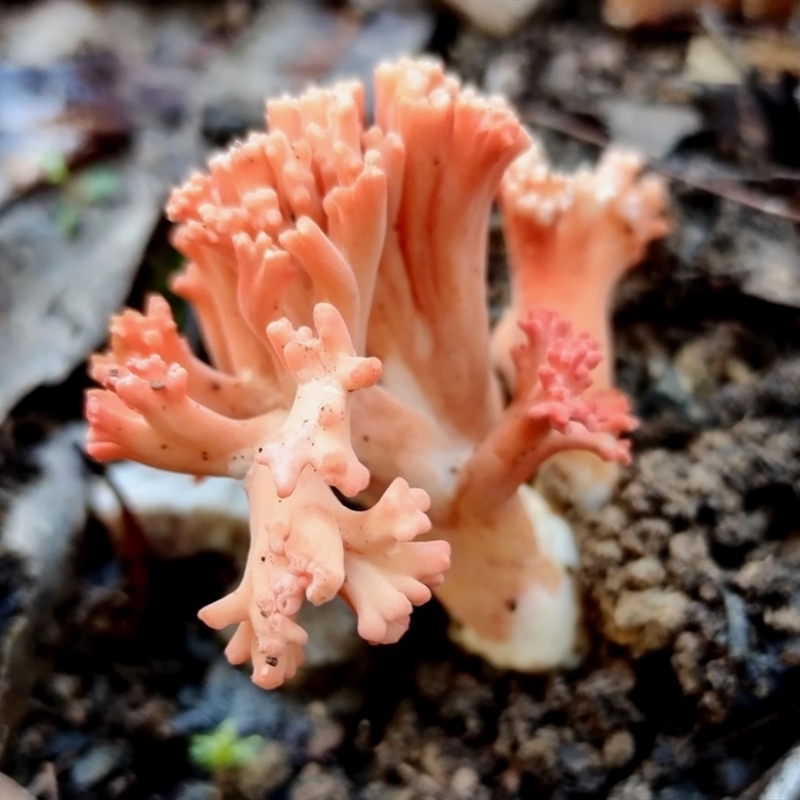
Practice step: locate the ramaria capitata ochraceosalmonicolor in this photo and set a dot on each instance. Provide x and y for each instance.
(339, 276)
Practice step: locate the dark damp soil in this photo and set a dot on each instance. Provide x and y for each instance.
(691, 575)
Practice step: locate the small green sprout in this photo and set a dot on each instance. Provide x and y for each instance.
(93, 186)
(98, 184)
(222, 750)
(54, 168)
(68, 219)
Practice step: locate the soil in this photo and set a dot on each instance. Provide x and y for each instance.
(690, 575)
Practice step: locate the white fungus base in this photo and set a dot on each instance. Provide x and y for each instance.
(545, 631)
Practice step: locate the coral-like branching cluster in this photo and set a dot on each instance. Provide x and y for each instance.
(338, 274)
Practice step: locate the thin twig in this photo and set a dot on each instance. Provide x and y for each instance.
(736, 193)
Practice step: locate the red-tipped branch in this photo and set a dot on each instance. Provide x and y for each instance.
(549, 413)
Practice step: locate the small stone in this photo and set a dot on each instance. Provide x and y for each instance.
(506, 75)
(765, 576)
(605, 56)
(686, 662)
(198, 790)
(94, 767)
(688, 547)
(582, 763)
(563, 74)
(540, 753)
(707, 63)
(647, 620)
(734, 775)
(270, 769)
(605, 553)
(11, 790)
(64, 686)
(326, 733)
(633, 788)
(117, 786)
(644, 573)
(464, 783)
(498, 18)
(785, 619)
(652, 129)
(316, 783)
(618, 749)
(708, 592)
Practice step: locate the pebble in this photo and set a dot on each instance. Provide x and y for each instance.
(734, 775)
(618, 749)
(198, 790)
(644, 573)
(647, 619)
(265, 773)
(94, 767)
(498, 18)
(464, 783)
(316, 783)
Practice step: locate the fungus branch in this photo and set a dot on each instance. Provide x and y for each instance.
(571, 238)
(338, 276)
(305, 544)
(429, 322)
(549, 412)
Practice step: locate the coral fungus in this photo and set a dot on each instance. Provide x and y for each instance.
(338, 275)
(570, 239)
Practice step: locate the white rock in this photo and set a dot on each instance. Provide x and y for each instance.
(495, 17)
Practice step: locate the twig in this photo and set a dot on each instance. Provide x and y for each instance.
(736, 193)
(567, 124)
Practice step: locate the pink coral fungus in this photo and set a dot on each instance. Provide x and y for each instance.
(338, 274)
